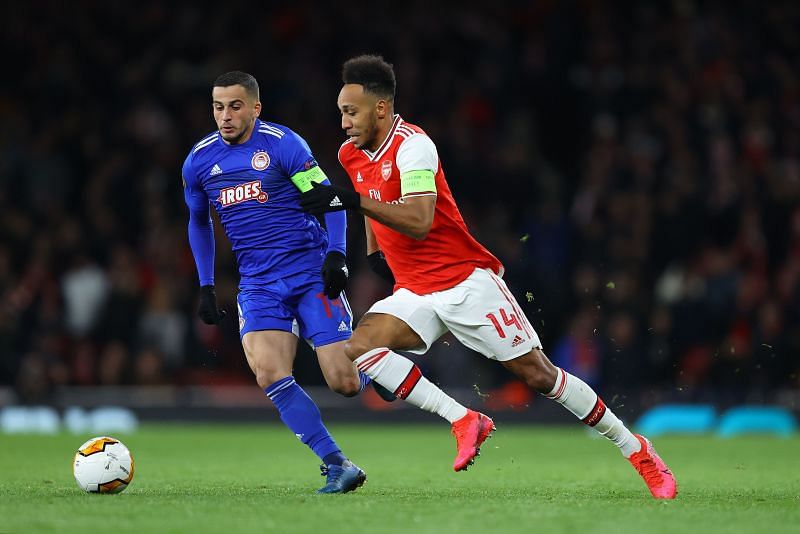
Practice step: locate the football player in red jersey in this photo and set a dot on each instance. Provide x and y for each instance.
(444, 279)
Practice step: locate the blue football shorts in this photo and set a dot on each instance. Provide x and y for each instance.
(298, 305)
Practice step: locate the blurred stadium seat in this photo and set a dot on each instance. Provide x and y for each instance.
(744, 420)
(677, 419)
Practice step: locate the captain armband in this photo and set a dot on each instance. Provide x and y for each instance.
(412, 182)
(302, 180)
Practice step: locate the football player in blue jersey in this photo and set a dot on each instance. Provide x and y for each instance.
(293, 272)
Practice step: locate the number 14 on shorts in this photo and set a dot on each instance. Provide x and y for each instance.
(509, 319)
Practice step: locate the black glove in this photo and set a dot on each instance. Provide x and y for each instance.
(325, 198)
(208, 311)
(334, 274)
(377, 262)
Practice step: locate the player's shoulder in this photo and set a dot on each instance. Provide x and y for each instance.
(199, 151)
(280, 136)
(346, 147)
(208, 140)
(415, 150)
(350, 155)
(407, 129)
(273, 129)
(411, 137)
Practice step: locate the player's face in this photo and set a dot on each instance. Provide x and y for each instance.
(359, 115)
(235, 113)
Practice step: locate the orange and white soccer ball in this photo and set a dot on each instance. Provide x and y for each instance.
(103, 465)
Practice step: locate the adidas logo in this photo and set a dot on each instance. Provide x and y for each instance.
(359, 178)
(215, 170)
(517, 340)
(343, 327)
(335, 203)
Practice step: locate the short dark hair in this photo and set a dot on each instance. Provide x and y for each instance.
(237, 77)
(373, 72)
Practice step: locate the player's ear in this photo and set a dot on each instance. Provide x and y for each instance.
(380, 108)
(257, 108)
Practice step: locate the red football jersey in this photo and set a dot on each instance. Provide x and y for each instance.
(448, 254)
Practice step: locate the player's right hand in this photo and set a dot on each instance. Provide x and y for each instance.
(334, 274)
(208, 310)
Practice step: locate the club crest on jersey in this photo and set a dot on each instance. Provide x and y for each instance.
(260, 161)
(386, 169)
(242, 193)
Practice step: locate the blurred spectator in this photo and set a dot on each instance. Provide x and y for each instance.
(579, 352)
(85, 287)
(149, 368)
(164, 328)
(113, 367)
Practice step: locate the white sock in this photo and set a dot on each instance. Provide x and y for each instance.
(399, 375)
(577, 397)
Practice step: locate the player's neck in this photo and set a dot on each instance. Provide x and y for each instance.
(384, 127)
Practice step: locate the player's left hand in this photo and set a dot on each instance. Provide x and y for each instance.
(208, 310)
(334, 274)
(326, 198)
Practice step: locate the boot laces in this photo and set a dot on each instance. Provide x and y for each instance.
(649, 470)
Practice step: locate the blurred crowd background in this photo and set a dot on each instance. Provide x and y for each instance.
(636, 166)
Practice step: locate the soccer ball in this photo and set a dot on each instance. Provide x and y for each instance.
(103, 465)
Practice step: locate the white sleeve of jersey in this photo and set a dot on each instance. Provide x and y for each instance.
(417, 153)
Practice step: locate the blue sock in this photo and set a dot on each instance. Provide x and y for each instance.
(302, 416)
(365, 380)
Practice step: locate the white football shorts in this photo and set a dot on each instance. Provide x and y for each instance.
(480, 311)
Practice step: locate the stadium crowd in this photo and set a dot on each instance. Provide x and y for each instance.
(636, 168)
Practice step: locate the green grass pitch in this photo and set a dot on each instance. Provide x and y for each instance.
(259, 478)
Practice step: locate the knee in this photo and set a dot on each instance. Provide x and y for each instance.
(348, 387)
(536, 370)
(357, 346)
(267, 376)
(540, 381)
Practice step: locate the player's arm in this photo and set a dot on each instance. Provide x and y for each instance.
(201, 229)
(417, 161)
(304, 172)
(413, 217)
(335, 222)
(334, 267)
(201, 242)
